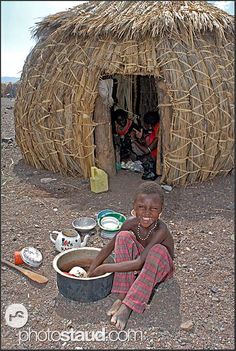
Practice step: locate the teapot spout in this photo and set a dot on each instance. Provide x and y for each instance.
(84, 243)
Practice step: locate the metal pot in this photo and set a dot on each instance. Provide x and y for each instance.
(81, 289)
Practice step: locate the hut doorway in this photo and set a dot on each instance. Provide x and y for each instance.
(135, 94)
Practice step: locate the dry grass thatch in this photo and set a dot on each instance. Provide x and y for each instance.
(188, 46)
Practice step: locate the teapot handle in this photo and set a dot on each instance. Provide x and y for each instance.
(51, 236)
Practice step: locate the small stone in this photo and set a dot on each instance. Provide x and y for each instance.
(47, 180)
(230, 206)
(166, 187)
(55, 209)
(232, 237)
(69, 323)
(215, 299)
(188, 249)
(187, 325)
(36, 226)
(213, 290)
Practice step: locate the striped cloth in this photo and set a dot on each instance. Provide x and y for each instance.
(138, 286)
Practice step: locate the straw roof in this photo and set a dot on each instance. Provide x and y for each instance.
(187, 46)
(135, 19)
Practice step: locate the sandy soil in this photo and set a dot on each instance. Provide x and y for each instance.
(200, 217)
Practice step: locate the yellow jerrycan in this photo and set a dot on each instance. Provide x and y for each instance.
(98, 180)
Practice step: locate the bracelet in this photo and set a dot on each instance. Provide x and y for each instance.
(149, 149)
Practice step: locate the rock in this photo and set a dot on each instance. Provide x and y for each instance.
(184, 265)
(69, 323)
(187, 325)
(214, 290)
(166, 187)
(230, 206)
(215, 299)
(47, 180)
(232, 237)
(151, 342)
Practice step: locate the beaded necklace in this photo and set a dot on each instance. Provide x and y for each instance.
(149, 232)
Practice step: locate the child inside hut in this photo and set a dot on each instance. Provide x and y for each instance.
(144, 144)
(144, 252)
(123, 128)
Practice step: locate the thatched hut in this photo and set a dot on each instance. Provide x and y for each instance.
(174, 56)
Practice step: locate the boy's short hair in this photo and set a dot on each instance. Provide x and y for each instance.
(150, 187)
(151, 117)
(120, 113)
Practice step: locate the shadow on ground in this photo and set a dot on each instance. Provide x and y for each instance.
(163, 311)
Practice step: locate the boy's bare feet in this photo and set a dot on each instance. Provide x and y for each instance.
(120, 318)
(114, 308)
(116, 305)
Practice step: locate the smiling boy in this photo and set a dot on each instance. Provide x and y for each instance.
(144, 252)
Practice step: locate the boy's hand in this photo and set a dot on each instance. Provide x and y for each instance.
(100, 270)
(132, 134)
(139, 134)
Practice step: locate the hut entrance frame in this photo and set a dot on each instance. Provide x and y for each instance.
(136, 94)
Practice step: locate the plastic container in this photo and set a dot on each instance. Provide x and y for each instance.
(28, 255)
(98, 180)
(110, 223)
(103, 212)
(107, 235)
(17, 258)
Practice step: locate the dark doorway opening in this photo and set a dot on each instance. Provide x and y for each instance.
(135, 95)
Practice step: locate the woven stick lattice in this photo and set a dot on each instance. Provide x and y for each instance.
(59, 85)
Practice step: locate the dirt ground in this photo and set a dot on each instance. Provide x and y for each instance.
(200, 217)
